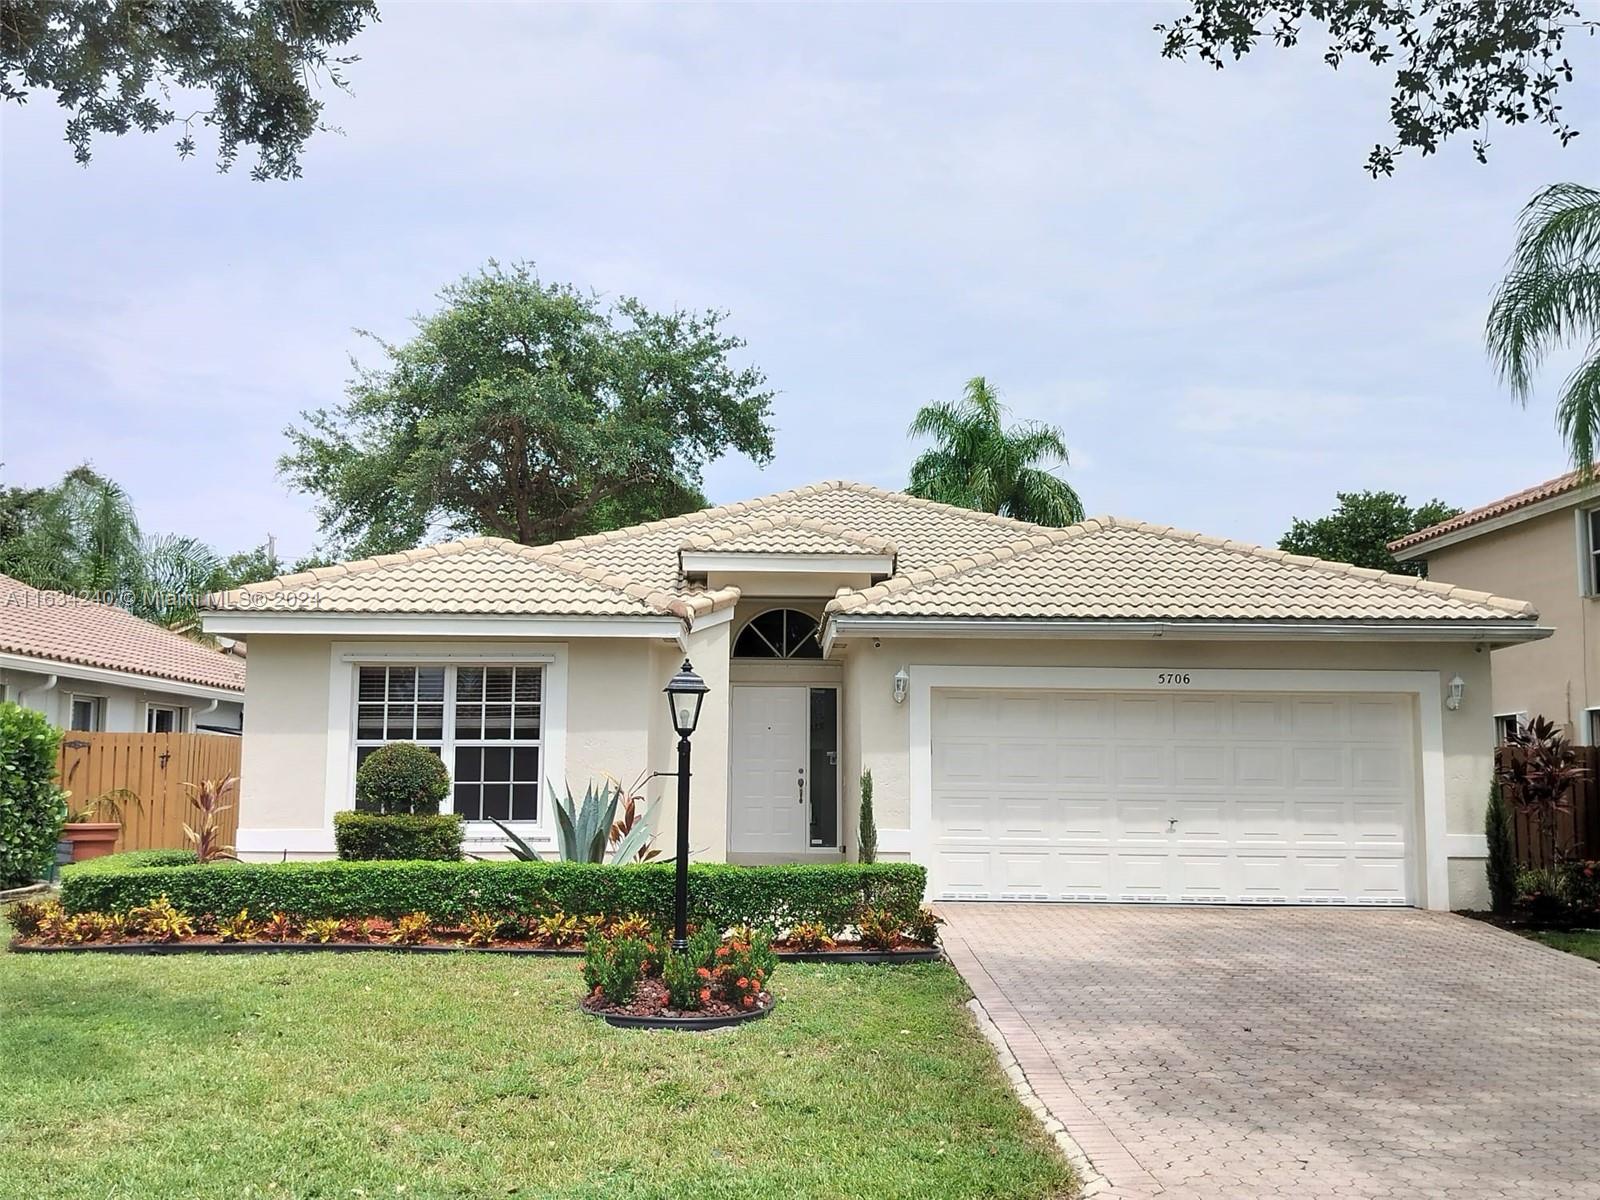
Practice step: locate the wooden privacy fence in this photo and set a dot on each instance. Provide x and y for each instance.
(154, 766)
(1577, 829)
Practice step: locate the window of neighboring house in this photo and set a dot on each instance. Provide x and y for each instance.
(1592, 565)
(87, 713)
(1594, 727)
(1506, 724)
(163, 718)
(484, 721)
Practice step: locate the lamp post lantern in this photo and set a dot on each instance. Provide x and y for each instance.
(686, 691)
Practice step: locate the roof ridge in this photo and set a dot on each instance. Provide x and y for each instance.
(1520, 608)
(1043, 536)
(695, 604)
(698, 540)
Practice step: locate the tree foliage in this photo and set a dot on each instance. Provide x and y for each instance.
(83, 537)
(1550, 298)
(529, 411)
(114, 65)
(980, 463)
(1458, 64)
(1360, 529)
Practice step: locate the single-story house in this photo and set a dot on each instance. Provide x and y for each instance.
(1544, 542)
(1114, 711)
(97, 668)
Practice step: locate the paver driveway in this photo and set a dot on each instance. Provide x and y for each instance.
(1236, 1053)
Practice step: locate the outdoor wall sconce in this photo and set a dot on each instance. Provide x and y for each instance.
(902, 685)
(1457, 686)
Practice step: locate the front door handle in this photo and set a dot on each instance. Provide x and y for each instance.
(800, 782)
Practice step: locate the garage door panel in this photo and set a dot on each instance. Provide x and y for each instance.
(1198, 798)
(1080, 764)
(1140, 765)
(1199, 766)
(1318, 766)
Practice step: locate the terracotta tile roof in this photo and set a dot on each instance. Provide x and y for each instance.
(489, 576)
(787, 535)
(1561, 485)
(948, 562)
(1108, 568)
(65, 629)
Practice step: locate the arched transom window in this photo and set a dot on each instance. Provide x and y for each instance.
(779, 633)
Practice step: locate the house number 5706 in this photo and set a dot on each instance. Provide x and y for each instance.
(1172, 678)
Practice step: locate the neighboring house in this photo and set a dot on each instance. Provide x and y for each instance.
(90, 666)
(1544, 544)
(1113, 711)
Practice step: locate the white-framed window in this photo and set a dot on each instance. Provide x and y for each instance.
(165, 718)
(86, 713)
(1589, 569)
(484, 720)
(1505, 725)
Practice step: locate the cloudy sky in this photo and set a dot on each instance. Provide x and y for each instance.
(1188, 271)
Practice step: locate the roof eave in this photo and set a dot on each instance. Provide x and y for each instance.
(1421, 544)
(39, 664)
(1486, 632)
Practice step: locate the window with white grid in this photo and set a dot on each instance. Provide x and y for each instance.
(484, 721)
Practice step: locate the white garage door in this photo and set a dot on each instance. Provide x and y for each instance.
(1204, 797)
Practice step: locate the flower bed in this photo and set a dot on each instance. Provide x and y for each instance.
(161, 927)
(635, 979)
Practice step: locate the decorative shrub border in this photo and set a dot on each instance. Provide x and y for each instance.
(909, 954)
(831, 895)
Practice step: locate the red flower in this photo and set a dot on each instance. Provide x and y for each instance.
(703, 973)
(722, 952)
(705, 995)
(748, 1002)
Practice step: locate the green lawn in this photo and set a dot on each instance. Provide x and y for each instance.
(386, 1075)
(1583, 942)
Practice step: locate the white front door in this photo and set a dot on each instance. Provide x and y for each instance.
(769, 770)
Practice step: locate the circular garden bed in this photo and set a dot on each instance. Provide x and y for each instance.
(651, 1008)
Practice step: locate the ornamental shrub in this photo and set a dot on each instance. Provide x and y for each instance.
(366, 836)
(32, 807)
(1502, 862)
(401, 777)
(720, 894)
(867, 838)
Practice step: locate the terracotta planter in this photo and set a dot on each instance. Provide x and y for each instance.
(91, 839)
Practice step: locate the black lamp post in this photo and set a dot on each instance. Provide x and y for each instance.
(685, 693)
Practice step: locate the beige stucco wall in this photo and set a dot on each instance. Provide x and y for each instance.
(612, 727)
(1536, 560)
(877, 730)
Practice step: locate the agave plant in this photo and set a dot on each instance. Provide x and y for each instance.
(583, 829)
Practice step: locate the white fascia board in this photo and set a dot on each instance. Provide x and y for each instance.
(131, 679)
(236, 624)
(699, 562)
(1491, 632)
(1505, 520)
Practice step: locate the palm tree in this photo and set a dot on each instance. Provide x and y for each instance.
(84, 538)
(1550, 297)
(979, 463)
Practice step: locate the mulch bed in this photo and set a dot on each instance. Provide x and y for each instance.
(1520, 923)
(211, 944)
(650, 1008)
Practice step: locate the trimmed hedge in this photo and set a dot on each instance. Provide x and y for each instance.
(718, 893)
(130, 860)
(366, 836)
(32, 807)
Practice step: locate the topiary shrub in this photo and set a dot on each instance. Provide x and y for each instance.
(401, 777)
(867, 841)
(366, 837)
(32, 807)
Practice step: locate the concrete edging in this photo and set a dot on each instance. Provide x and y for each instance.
(1092, 1182)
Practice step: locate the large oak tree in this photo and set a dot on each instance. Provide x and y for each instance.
(530, 411)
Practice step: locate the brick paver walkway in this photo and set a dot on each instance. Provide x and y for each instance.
(1235, 1053)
